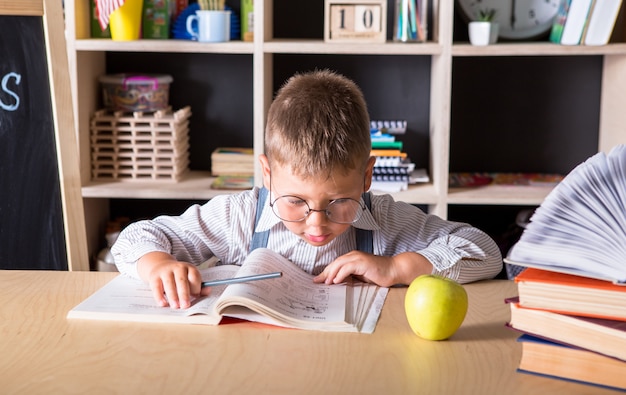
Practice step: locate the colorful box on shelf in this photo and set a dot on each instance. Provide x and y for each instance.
(136, 92)
(140, 146)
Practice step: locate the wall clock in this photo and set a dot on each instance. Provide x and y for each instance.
(517, 19)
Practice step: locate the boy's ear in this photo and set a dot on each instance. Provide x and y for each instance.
(369, 171)
(265, 168)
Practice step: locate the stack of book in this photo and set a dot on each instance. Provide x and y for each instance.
(233, 168)
(574, 327)
(585, 22)
(393, 170)
(571, 303)
(232, 161)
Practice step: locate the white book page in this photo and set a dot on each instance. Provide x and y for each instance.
(129, 299)
(293, 298)
(363, 296)
(373, 313)
(581, 225)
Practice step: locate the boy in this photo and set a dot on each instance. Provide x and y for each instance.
(316, 168)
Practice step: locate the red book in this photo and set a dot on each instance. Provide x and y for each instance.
(570, 294)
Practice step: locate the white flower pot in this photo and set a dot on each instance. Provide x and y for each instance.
(483, 33)
(493, 33)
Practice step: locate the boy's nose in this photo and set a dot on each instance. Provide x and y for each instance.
(316, 218)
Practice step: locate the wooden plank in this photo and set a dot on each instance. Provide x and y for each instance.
(42, 59)
(22, 7)
(65, 129)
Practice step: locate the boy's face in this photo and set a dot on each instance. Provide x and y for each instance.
(316, 229)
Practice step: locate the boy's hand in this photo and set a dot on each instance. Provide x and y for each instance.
(173, 283)
(381, 270)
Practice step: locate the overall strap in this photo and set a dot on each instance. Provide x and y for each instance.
(365, 237)
(259, 239)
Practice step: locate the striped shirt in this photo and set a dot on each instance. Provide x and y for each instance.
(223, 227)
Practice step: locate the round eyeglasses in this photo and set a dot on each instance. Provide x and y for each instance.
(294, 209)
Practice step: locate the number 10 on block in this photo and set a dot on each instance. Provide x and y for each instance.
(355, 21)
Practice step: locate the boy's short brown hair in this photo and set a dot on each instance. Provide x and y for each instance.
(318, 124)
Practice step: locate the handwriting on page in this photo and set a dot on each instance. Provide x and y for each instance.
(295, 294)
(5, 89)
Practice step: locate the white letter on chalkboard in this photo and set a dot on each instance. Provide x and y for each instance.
(5, 79)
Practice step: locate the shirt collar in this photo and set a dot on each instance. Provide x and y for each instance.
(367, 222)
(268, 220)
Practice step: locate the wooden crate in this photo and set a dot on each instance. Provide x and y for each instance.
(140, 146)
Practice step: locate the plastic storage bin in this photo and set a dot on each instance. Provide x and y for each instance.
(136, 92)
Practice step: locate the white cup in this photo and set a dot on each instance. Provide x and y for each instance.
(211, 26)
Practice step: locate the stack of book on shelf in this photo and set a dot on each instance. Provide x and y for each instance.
(393, 170)
(233, 168)
(585, 22)
(571, 303)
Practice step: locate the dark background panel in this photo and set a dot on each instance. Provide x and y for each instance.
(31, 215)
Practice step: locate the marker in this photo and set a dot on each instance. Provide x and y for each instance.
(243, 279)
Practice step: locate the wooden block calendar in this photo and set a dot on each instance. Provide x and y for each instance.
(355, 21)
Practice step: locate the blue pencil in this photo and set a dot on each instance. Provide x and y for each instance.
(243, 279)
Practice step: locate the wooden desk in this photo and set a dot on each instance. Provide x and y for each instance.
(42, 352)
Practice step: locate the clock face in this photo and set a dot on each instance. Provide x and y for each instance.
(517, 19)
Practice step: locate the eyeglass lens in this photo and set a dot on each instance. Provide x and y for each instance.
(292, 208)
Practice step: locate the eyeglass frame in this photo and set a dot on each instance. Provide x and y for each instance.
(358, 214)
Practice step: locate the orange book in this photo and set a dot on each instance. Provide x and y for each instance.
(388, 152)
(570, 294)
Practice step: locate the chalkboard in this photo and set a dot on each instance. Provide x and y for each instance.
(41, 212)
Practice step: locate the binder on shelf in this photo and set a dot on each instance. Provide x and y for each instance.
(601, 22)
(556, 32)
(576, 21)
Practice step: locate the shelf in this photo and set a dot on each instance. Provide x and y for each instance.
(416, 194)
(197, 186)
(410, 67)
(170, 45)
(536, 49)
(321, 47)
(273, 46)
(499, 195)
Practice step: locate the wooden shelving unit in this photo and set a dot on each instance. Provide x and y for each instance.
(87, 59)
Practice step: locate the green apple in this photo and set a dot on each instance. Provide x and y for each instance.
(435, 306)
